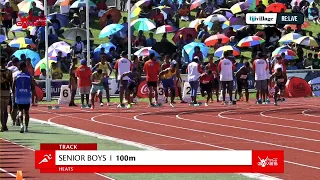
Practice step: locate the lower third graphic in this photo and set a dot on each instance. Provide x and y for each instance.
(268, 162)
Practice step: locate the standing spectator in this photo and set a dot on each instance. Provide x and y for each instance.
(78, 46)
(73, 81)
(261, 8)
(123, 4)
(7, 18)
(34, 12)
(152, 69)
(295, 8)
(225, 69)
(56, 72)
(273, 40)
(308, 62)
(6, 84)
(316, 62)
(84, 73)
(194, 71)
(15, 8)
(259, 68)
(31, 72)
(123, 65)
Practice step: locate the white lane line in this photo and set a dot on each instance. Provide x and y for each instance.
(9, 173)
(306, 114)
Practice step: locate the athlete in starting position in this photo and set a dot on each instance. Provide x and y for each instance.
(242, 81)
(168, 75)
(132, 84)
(279, 79)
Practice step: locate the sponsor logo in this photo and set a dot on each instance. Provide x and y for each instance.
(261, 18)
(144, 89)
(315, 87)
(300, 88)
(30, 20)
(267, 162)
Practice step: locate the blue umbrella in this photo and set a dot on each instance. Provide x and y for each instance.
(63, 19)
(189, 49)
(110, 30)
(2, 38)
(35, 58)
(106, 46)
(81, 3)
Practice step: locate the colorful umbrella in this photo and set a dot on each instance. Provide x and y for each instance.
(239, 7)
(154, 13)
(288, 52)
(226, 25)
(294, 26)
(212, 40)
(59, 46)
(110, 30)
(307, 41)
(189, 49)
(250, 41)
(166, 29)
(143, 24)
(184, 32)
(35, 58)
(196, 4)
(220, 51)
(72, 33)
(276, 8)
(290, 37)
(215, 18)
(166, 9)
(106, 46)
(2, 38)
(26, 5)
(146, 51)
(254, 3)
(62, 18)
(115, 15)
(21, 42)
(82, 3)
(136, 8)
(62, 3)
(225, 12)
(196, 22)
(42, 64)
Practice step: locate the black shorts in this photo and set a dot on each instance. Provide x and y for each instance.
(7, 23)
(25, 107)
(215, 83)
(152, 84)
(132, 86)
(242, 84)
(280, 86)
(206, 87)
(227, 85)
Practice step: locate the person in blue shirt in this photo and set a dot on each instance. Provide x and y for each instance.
(22, 88)
(40, 38)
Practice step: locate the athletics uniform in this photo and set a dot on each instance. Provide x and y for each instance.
(133, 81)
(23, 89)
(168, 79)
(214, 69)
(260, 67)
(206, 83)
(106, 71)
(279, 81)
(242, 78)
(98, 87)
(122, 66)
(226, 68)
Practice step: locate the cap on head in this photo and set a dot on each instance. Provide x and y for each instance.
(83, 62)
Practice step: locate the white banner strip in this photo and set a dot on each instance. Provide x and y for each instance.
(153, 157)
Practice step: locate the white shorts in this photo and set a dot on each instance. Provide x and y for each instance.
(84, 90)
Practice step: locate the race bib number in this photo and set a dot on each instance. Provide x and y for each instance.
(280, 80)
(243, 76)
(205, 82)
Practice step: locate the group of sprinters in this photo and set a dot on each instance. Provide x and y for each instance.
(209, 78)
(18, 82)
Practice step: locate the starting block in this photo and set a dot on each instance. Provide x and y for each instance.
(53, 107)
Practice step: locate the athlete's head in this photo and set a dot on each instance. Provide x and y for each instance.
(260, 55)
(103, 58)
(74, 61)
(279, 70)
(152, 56)
(124, 54)
(99, 71)
(208, 72)
(23, 66)
(173, 64)
(247, 64)
(15, 61)
(195, 59)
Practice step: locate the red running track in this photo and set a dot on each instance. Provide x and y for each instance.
(294, 126)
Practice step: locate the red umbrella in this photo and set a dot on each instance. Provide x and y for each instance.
(294, 26)
(115, 15)
(276, 8)
(184, 32)
(212, 40)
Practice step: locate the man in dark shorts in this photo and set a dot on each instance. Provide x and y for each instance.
(279, 79)
(131, 84)
(6, 84)
(215, 81)
(22, 89)
(206, 85)
(242, 81)
(152, 69)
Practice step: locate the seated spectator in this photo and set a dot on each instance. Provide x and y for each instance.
(52, 37)
(164, 38)
(292, 65)
(75, 21)
(230, 32)
(198, 53)
(308, 62)
(184, 11)
(158, 18)
(189, 39)
(218, 44)
(151, 40)
(316, 62)
(43, 74)
(78, 46)
(101, 5)
(313, 13)
(56, 72)
(233, 41)
(203, 33)
(56, 25)
(273, 40)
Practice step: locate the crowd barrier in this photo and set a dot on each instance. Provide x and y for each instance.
(310, 76)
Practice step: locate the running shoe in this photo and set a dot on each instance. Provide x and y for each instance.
(101, 104)
(259, 101)
(83, 106)
(226, 103)
(268, 101)
(92, 107)
(206, 104)
(183, 102)
(152, 105)
(21, 129)
(25, 129)
(283, 99)
(108, 104)
(129, 106)
(135, 100)
(171, 104)
(121, 106)
(276, 104)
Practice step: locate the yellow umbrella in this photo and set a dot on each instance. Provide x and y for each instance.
(21, 42)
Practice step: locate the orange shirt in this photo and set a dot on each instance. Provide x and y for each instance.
(183, 11)
(152, 69)
(30, 70)
(158, 18)
(84, 74)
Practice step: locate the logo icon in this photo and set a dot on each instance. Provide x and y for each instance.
(30, 20)
(267, 162)
(46, 159)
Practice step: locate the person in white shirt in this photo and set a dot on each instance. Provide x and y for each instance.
(78, 46)
(260, 67)
(123, 65)
(194, 72)
(225, 69)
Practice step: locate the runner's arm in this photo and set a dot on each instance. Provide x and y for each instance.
(95, 67)
(109, 66)
(162, 73)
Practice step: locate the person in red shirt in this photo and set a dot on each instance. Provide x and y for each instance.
(7, 17)
(198, 53)
(158, 18)
(215, 81)
(152, 69)
(83, 74)
(102, 5)
(206, 85)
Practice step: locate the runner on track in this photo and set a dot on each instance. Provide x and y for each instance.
(6, 84)
(22, 89)
(97, 86)
(83, 74)
(279, 79)
(132, 84)
(194, 71)
(152, 69)
(206, 85)
(215, 81)
(259, 69)
(122, 66)
(226, 68)
(242, 81)
(169, 80)
(165, 66)
(13, 107)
